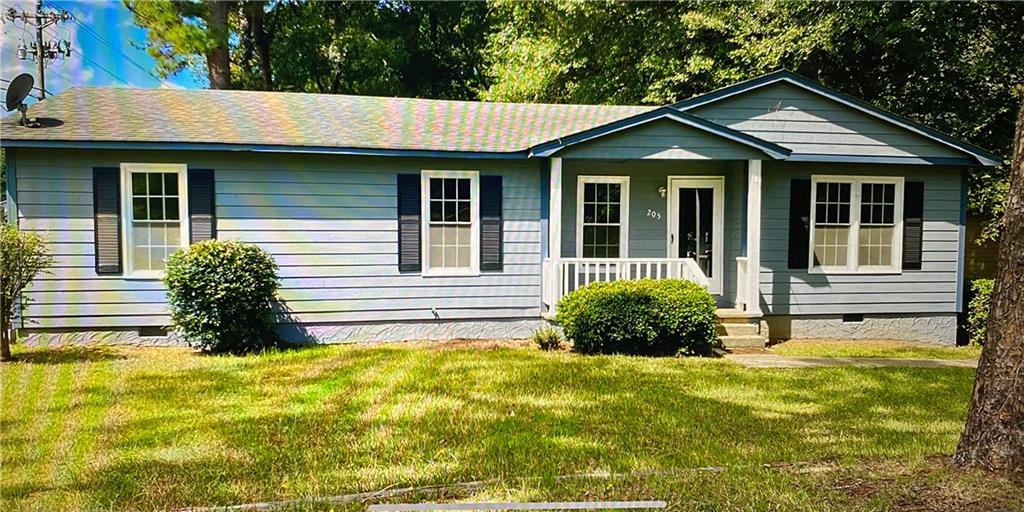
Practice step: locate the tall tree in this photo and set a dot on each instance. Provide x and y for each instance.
(187, 34)
(994, 435)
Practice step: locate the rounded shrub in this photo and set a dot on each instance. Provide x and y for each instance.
(642, 317)
(221, 295)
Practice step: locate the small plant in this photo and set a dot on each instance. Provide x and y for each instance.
(978, 308)
(547, 338)
(221, 295)
(643, 317)
(23, 255)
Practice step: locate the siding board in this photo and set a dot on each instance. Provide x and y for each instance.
(330, 223)
(929, 290)
(808, 123)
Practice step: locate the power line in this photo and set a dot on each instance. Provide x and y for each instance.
(40, 50)
(109, 45)
(109, 72)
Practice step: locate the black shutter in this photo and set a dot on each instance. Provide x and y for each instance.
(409, 228)
(913, 224)
(490, 223)
(202, 217)
(106, 201)
(799, 223)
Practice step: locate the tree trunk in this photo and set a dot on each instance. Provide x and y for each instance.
(994, 435)
(262, 40)
(5, 336)
(218, 58)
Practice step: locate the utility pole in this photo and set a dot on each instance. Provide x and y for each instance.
(41, 51)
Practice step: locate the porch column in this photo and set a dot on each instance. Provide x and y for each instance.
(554, 232)
(754, 237)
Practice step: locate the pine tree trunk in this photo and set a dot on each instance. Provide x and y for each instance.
(218, 58)
(994, 435)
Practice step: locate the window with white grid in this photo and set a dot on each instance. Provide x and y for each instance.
(857, 223)
(831, 224)
(451, 204)
(602, 211)
(154, 210)
(877, 223)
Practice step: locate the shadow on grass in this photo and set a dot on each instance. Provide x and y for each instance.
(361, 419)
(69, 355)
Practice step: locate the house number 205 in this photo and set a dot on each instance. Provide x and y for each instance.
(653, 214)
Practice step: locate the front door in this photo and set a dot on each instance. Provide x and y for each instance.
(696, 224)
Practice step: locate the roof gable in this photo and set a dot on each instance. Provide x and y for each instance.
(661, 133)
(818, 123)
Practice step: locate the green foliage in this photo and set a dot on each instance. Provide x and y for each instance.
(177, 34)
(221, 295)
(978, 309)
(919, 59)
(23, 255)
(547, 338)
(646, 316)
(393, 48)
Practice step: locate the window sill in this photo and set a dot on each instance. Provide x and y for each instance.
(450, 273)
(144, 276)
(850, 271)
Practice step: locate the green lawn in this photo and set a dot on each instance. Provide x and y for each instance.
(162, 428)
(873, 349)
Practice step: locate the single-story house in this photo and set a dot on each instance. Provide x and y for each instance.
(804, 211)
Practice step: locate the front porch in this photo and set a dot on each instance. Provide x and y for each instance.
(697, 220)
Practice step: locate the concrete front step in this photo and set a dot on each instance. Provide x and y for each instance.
(739, 329)
(742, 341)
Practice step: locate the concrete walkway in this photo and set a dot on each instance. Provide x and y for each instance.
(774, 361)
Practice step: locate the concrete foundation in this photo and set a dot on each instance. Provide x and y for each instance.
(305, 333)
(938, 329)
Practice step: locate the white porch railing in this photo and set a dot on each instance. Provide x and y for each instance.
(568, 274)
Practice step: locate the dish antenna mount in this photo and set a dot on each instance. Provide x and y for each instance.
(17, 91)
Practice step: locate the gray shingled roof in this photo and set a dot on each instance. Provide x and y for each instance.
(305, 120)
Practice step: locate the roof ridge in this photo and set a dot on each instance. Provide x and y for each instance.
(332, 95)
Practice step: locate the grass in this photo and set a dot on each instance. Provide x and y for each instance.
(141, 429)
(873, 349)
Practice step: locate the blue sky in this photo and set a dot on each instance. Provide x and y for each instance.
(92, 62)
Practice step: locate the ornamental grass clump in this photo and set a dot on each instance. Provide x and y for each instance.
(641, 317)
(221, 295)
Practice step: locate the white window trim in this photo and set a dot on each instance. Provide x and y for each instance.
(474, 217)
(853, 248)
(623, 181)
(126, 207)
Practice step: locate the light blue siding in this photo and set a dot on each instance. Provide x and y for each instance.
(329, 221)
(662, 140)
(929, 290)
(648, 236)
(808, 123)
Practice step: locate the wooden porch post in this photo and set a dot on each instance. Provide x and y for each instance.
(754, 237)
(555, 233)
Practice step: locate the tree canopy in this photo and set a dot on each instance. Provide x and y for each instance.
(951, 66)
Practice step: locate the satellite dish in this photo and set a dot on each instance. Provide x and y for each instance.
(17, 91)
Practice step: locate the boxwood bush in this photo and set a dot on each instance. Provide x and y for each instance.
(221, 294)
(642, 317)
